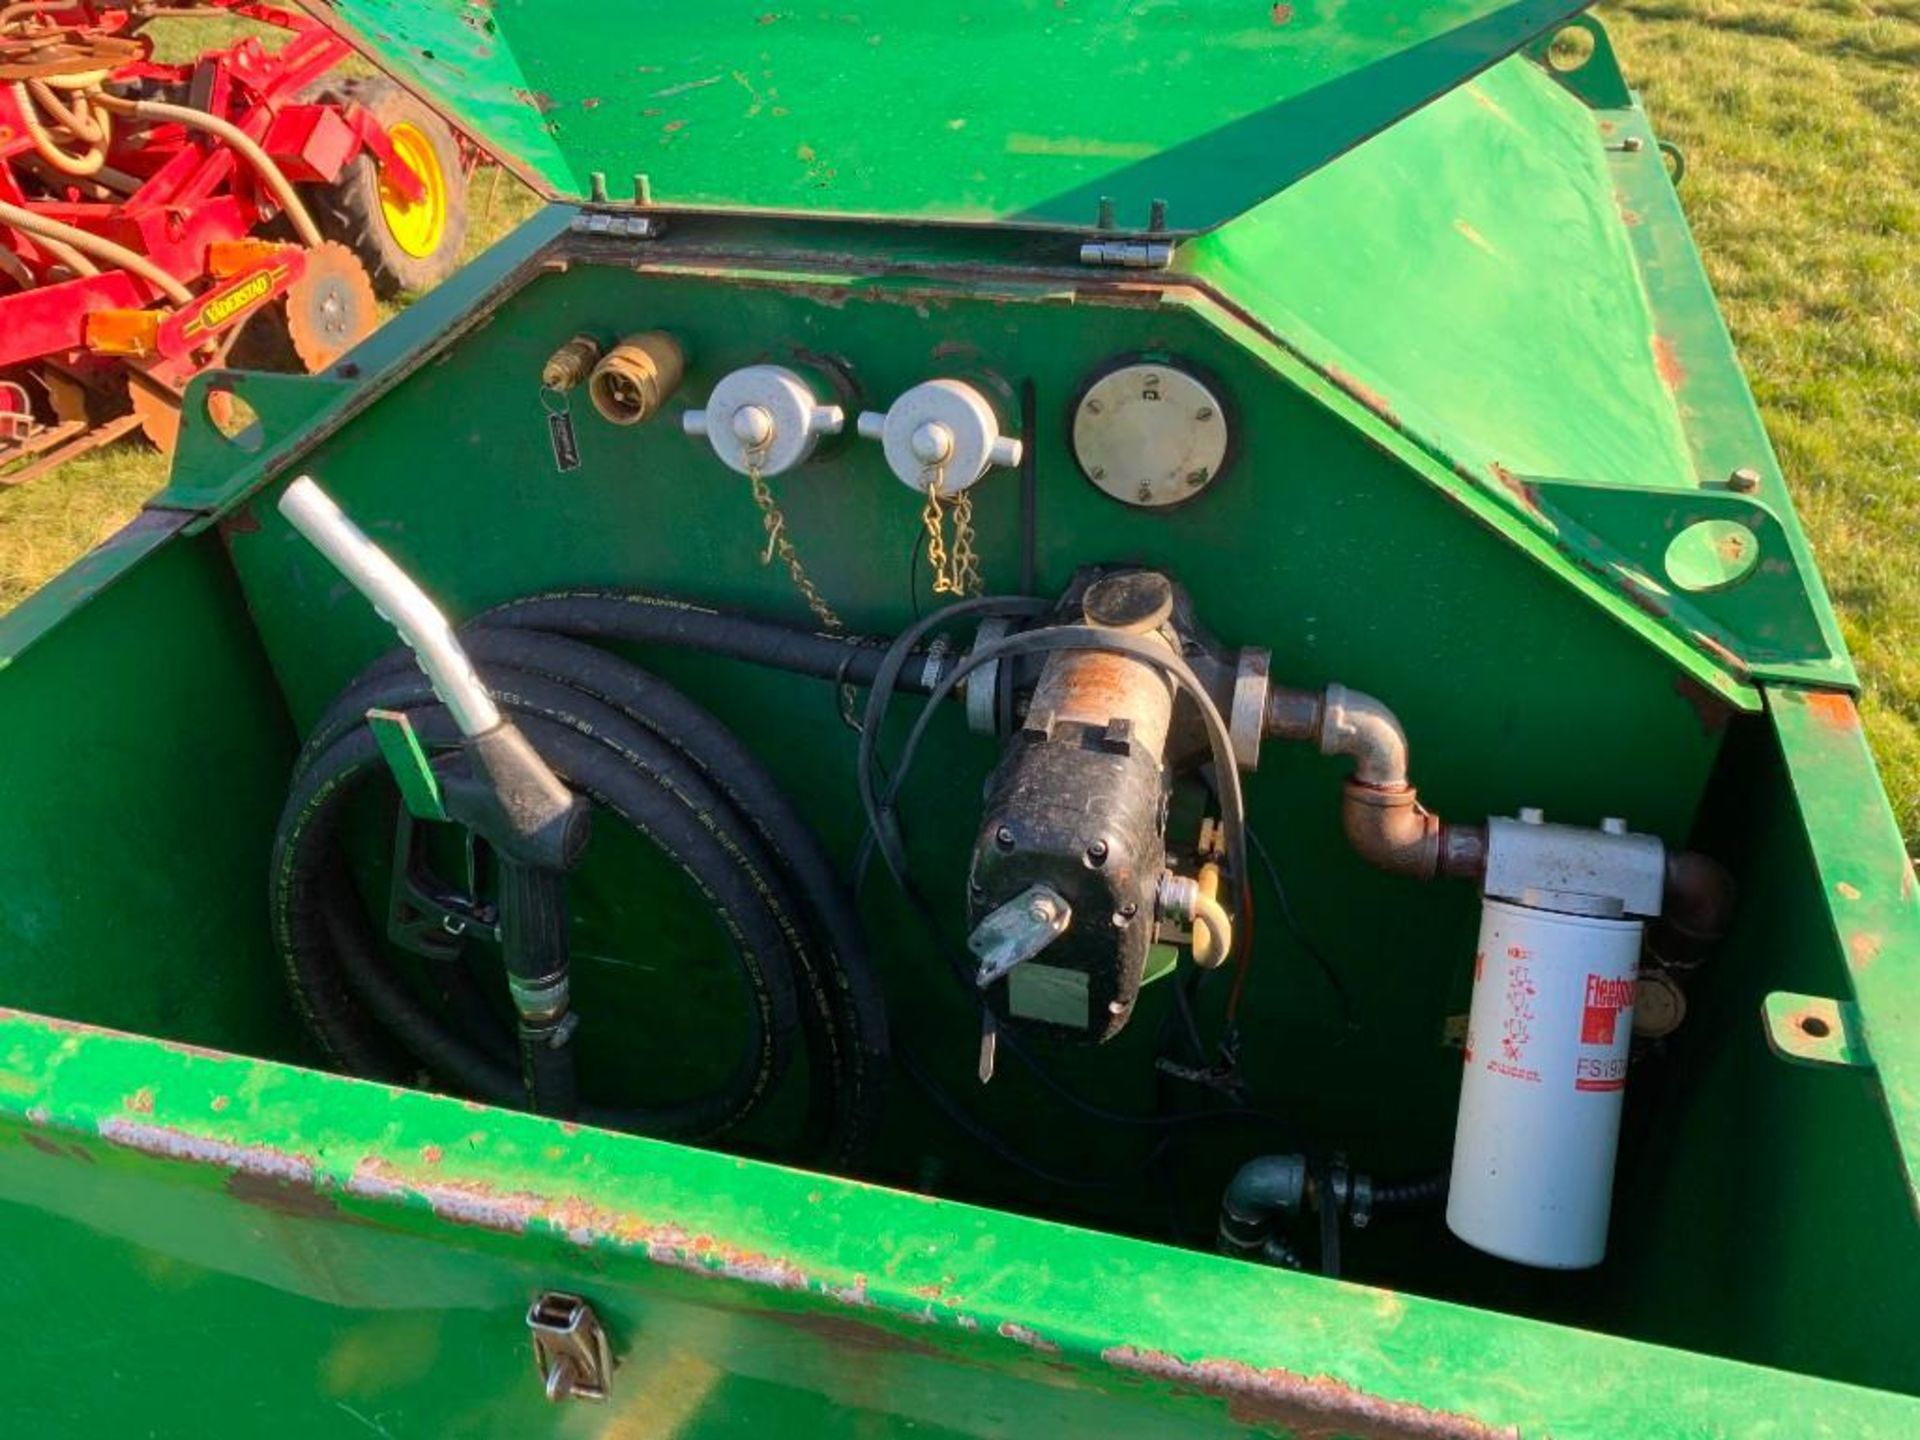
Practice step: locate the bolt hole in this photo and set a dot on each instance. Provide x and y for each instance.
(1814, 1026)
(236, 420)
(1572, 49)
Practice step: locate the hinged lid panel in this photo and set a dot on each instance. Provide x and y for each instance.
(1025, 112)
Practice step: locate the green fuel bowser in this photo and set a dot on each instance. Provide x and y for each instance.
(1084, 718)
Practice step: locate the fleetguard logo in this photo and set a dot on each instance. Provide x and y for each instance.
(1607, 1001)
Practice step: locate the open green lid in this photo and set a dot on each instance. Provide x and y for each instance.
(1001, 112)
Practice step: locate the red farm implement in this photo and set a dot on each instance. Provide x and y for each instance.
(244, 206)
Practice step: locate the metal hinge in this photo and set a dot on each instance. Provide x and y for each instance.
(1128, 254)
(610, 225)
(570, 1349)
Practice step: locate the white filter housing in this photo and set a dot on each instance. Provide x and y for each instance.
(1546, 1072)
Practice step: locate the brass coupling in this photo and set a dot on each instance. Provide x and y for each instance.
(569, 366)
(635, 378)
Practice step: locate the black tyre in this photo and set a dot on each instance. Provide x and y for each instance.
(404, 245)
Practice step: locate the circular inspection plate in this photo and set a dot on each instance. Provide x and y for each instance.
(1150, 435)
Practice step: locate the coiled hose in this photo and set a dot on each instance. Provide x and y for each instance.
(653, 760)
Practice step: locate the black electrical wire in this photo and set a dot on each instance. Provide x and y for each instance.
(1029, 488)
(984, 1136)
(890, 677)
(1051, 639)
(667, 768)
(1294, 928)
(883, 838)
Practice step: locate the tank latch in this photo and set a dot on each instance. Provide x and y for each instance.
(570, 1349)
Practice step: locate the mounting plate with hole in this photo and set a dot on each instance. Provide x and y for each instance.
(1580, 57)
(1721, 570)
(1811, 1030)
(234, 418)
(1712, 555)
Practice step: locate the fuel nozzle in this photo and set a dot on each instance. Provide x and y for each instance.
(504, 792)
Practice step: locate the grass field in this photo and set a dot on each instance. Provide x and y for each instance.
(1801, 120)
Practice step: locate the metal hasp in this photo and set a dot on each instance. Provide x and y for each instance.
(570, 1350)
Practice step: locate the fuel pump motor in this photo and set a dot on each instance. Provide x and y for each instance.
(1076, 816)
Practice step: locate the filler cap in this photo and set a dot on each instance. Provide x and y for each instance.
(1134, 602)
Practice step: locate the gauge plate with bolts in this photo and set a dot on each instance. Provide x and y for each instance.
(1150, 435)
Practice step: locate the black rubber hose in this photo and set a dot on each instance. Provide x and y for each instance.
(661, 620)
(845, 1019)
(668, 768)
(322, 929)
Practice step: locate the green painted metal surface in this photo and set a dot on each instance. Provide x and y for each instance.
(975, 113)
(649, 508)
(1481, 400)
(1520, 227)
(376, 1248)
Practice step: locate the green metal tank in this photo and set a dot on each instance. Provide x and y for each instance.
(1389, 925)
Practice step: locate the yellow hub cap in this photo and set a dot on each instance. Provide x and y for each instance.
(418, 226)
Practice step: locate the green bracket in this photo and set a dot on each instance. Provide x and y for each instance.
(1717, 565)
(283, 410)
(1810, 1030)
(1585, 67)
(400, 747)
(217, 466)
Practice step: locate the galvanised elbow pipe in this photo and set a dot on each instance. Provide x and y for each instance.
(1381, 811)
(1388, 827)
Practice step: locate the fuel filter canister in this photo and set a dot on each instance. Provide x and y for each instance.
(1546, 1072)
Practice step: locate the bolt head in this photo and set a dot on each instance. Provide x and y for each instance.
(1042, 910)
(1097, 853)
(1745, 480)
(932, 443)
(752, 425)
(1613, 825)
(1003, 837)
(1532, 815)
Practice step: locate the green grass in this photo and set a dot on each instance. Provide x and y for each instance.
(1801, 121)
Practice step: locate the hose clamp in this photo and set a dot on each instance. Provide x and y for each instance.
(540, 1002)
(1247, 715)
(983, 685)
(935, 669)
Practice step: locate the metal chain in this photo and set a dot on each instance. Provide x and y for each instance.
(778, 545)
(935, 520)
(955, 572)
(966, 563)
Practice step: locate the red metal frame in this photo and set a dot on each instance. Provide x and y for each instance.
(192, 191)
